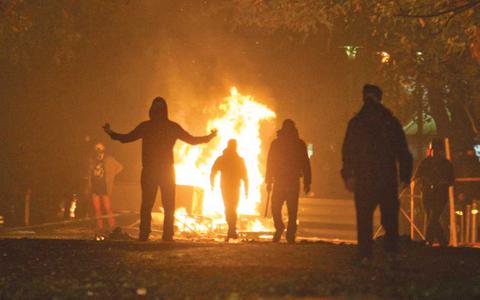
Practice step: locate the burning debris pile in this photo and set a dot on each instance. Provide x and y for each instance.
(238, 117)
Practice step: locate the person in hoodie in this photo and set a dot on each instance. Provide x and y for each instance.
(158, 135)
(373, 145)
(233, 171)
(435, 175)
(287, 162)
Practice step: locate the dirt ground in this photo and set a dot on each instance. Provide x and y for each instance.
(78, 269)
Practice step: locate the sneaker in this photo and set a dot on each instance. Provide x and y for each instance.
(277, 236)
(290, 238)
(143, 237)
(167, 239)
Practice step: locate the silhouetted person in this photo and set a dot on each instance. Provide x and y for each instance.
(287, 162)
(435, 174)
(158, 135)
(232, 169)
(103, 169)
(373, 145)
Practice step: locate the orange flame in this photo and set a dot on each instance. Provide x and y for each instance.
(239, 118)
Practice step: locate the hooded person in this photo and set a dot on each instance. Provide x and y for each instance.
(435, 175)
(232, 169)
(287, 162)
(373, 145)
(158, 135)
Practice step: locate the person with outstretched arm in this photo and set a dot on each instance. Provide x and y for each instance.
(158, 135)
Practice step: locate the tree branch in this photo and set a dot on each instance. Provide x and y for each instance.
(454, 10)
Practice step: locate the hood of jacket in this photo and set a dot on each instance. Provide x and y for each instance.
(158, 109)
(288, 130)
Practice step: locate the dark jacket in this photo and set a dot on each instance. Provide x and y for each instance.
(435, 175)
(158, 135)
(373, 145)
(232, 169)
(288, 159)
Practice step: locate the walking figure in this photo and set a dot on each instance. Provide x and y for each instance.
(232, 169)
(103, 169)
(158, 135)
(373, 145)
(435, 174)
(287, 162)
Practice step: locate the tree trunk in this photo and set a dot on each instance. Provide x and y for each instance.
(438, 110)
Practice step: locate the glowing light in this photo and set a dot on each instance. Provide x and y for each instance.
(474, 211)
(459, 212)
(420, 57)
(238, 117)
(351, 51)
(384, 57)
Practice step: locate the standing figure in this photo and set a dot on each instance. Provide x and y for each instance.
(373, 145)
(287, 162)
(103, 169)
(158, 135)
(435, 174)
(233, 170)
(467, 166)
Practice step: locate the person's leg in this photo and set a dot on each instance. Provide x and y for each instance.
(277, 203)
(429, 236)
(292, 207)
(230, 199)
(108, 210)
(98, 211)
(364, 206)
(167, 185)
(437, 230)
(149, 184)
(389, 206)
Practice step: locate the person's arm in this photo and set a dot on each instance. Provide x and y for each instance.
(306, 169)
(133, 135)
(403, 154)
(271, 161)
(185, 136)
(348, 154)
(214, 171)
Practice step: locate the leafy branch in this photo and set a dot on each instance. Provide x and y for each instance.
(454, 10)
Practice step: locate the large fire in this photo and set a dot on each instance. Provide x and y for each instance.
(238, 117)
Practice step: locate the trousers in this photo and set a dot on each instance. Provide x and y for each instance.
(231, 196)
(366, 200)
(151, 180)
(434, 208)
(288, 193)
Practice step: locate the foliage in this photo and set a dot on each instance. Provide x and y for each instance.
(432, 44)
(32, 32)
